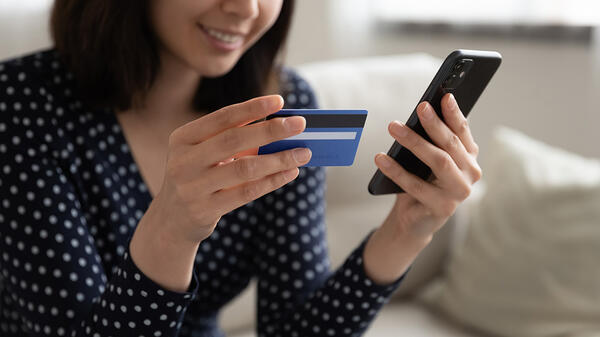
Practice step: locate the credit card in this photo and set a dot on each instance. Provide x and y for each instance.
(331, 135)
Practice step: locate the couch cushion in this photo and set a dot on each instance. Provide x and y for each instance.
(528, 266)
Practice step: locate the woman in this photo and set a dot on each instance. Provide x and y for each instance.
(133, 201)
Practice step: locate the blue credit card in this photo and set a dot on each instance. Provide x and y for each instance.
(331, 135)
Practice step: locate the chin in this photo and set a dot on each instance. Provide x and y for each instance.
(215, 72)
(215, 67)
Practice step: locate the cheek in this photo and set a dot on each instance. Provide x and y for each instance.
(269, 12)
(173, 20)
(166, 20)
(271, 9)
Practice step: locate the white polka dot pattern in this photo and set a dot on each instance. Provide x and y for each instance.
(71, 196)
(65, 268)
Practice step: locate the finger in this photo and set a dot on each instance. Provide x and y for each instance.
(438, 160)
(454, 143)
(457, 122)
(228, 117)
(236, 140)
(427, 194)
(252, 168)
(229, 199)
(443, 137)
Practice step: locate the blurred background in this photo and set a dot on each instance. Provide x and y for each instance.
(519, 257)
(546, 86)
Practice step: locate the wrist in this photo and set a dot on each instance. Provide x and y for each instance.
(409, 231)
(160, 255)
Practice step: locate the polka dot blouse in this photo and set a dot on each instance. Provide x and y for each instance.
(71, 196)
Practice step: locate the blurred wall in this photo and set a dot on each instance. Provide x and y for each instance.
(546, 88)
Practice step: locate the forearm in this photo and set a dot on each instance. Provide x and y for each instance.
(388, 253)
(167, 262)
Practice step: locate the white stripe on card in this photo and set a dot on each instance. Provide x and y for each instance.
(323, 136)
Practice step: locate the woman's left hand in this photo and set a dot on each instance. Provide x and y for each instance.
(426, 205)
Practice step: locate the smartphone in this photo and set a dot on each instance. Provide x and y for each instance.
(465, 74)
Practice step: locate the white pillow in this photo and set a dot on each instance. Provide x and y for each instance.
(529, 265)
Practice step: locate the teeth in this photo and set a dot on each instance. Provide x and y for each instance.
(227, 38)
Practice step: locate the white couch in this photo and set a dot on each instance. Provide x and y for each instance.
(389, 88)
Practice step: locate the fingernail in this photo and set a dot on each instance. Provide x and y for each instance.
(293, 123)
(275, 102)
(426, 111)
(383, 161)
(302, 155)
(452, 101)
(399, 129)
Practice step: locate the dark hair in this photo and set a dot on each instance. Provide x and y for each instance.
(112, 52)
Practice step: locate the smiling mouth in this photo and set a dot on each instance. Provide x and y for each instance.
(221, 35)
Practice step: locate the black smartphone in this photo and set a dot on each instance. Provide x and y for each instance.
(465, 74)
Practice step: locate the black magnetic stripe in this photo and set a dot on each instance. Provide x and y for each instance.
(329, 120)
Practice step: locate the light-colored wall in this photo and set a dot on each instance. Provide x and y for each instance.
(20, 19)
(544, 88)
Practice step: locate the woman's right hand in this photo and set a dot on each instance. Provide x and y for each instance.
(202, 182)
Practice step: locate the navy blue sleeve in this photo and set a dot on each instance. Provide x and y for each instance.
(298, 295)
(50, 267)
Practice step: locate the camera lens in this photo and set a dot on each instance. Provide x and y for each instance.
(458, 66)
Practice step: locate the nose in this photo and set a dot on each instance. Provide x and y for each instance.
(247, 9)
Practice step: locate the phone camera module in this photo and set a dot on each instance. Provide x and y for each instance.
(457, 75)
